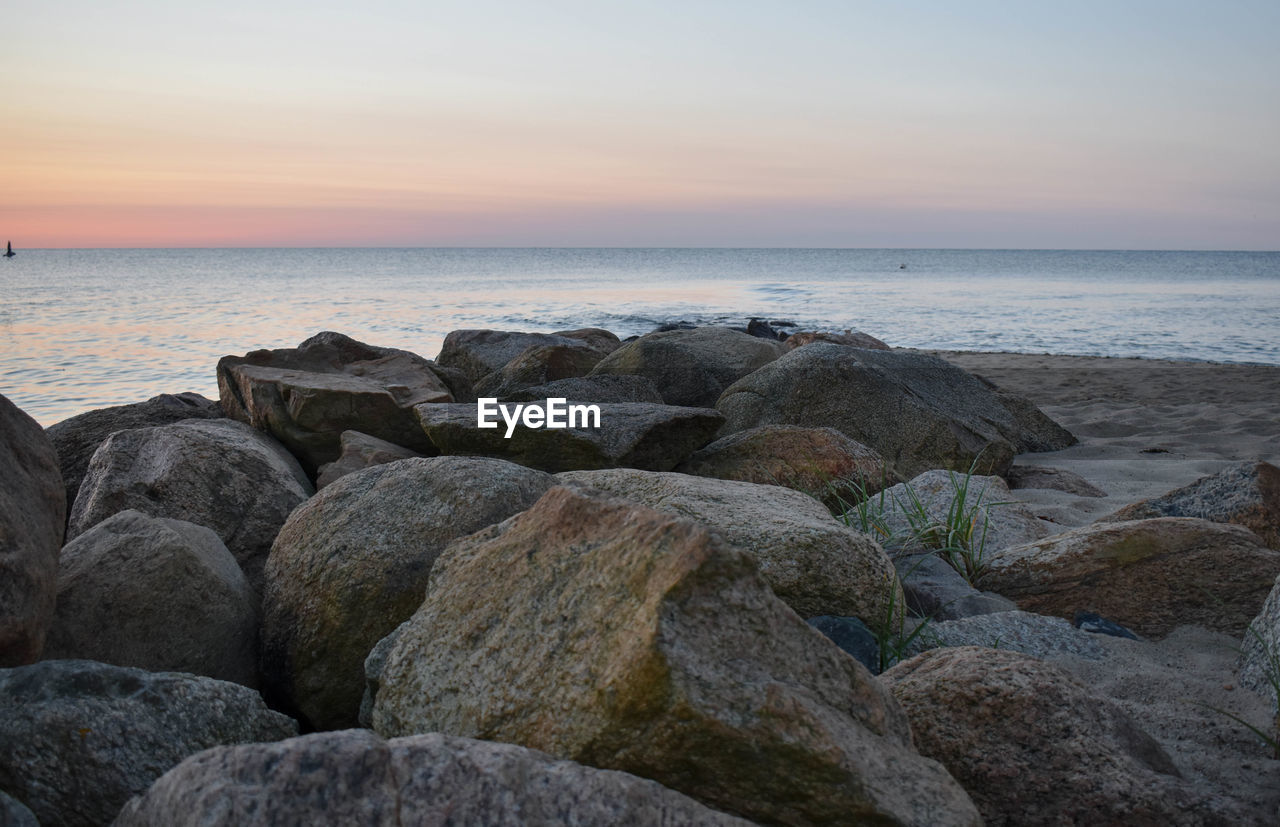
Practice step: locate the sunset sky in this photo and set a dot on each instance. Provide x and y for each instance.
(916, 124)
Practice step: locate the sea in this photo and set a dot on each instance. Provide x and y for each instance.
(84, 329)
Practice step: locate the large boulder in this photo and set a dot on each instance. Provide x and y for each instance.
(478, 353)
(539, 365)
(76, 439)
(80, 738)
(613, 635)
(360, 451)
(352, 563)
(355, 777)
(216, 473)
(162, 595)
(1033, 746)
(1147, 575)
(601, 388)
(1246, 493)
(630, 434)
(691, 367)
(918, 411)
(819, 461)
(1260, 651)
(307, 396)
(816, 565)
(33, 516)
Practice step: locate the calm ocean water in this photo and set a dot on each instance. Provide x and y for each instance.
(81, 329)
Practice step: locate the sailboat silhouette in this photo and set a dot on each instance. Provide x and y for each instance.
(9, 253)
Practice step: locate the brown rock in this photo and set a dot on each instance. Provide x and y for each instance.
(821, 462)
(539, 365)
(1147, 575)
(360, 451)
(1033, 746)
(33, 514)
(623, 638)
(1057, 479)
(852, 338)
(1247, 494)
(478, 353)
(352, 563)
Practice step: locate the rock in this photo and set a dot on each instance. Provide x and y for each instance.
(478, 353)
(631, 434)
(853, 636)
(691, 367)
(76, 439)
(360, 451)
(1057, 479)
(33, 514)
(1098, 625)
(851, 338)
(813, 563)
(1260, 650)
(616, 636)
(1033, 746)
(13, 813)
(763, 330)
(601, 388)
(935, 589)
(352, 563)
(373, 666)
(216, 473)
(355, 777)
(821, 462)
(1148, 575)
(597, 338)
(162, 595)
(981, 509)
(918, 411)
(81, 737)
(539, 365)
(1036, 431)
(1036, 635)
(1246, 493)
(307, 396)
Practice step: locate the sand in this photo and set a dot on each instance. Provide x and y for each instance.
(1146, 427)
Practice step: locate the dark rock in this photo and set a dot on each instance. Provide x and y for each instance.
(539, 365)
(216, 473)
(763, 330)
(13, 813)
(1057, 479)
(620, 637)
(918, 411)
(603, 388)
(853, 636)
(1036, 431)
(76, 439)
(1099, 625)
(631, 434)
(360, 451)
(352, 563)
(597, 338)
(307, 396)
(110, 608)
(478, 353)
(691, 367)
(934, 589)
(32, 518)
(80, 738)
(357, 778)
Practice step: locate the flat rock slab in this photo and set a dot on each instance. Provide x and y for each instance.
(1055, 479)
(32, 521)
(607, 633)
(355, 777)
(360, 451)
(80, 738)
(1148, 575)
(631, 435)
(307, 396)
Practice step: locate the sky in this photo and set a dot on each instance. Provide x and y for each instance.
(1119, 124)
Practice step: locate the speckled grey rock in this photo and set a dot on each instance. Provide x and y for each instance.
(610, 634)
(935, 589)
(816, 565)
(355, 777)
(602, 388)
(1031, 634)
(853, 636)
(13, 813)
(1247, 494)
(691, 367)
(478, 353)
(631, 435)
(80, 738)
(539, 365)
(918, 411)
(1260, 650)
(76, 439)
(1057, 479)
(32, 519)
(158, 594)
(360, 451)
(217, 473)
(352, 563)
